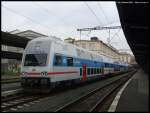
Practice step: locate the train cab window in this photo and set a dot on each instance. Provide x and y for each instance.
(58, 60)
(35, 60)
(69, 61)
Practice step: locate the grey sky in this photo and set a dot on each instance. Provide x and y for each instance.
(62, 19)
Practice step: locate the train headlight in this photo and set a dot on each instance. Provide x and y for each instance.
(24, 73)
(44, 73)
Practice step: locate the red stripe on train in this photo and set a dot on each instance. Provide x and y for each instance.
(51, 73)
(54, 73)
(33, 73)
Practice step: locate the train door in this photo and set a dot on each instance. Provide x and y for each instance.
(84, 72)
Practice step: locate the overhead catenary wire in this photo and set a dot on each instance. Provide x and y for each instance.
(120, 38)
(101, 9)
(115, 34)
(91, 10)
(100, 21)
(108, 21)
(28, 18)
(48, 12)
(93, 13)
(23, 16)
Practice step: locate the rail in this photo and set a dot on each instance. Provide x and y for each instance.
(74, 105)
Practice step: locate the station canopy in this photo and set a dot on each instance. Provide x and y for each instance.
(134, 19)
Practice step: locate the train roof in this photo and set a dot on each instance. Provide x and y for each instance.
(80, 52)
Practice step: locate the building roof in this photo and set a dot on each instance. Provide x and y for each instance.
(29, 34)
(114, 49)
(124, 53)
(14, 40)
(69, 39)
(15, 31)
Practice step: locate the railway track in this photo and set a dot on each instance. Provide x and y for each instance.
(19, 101)
(94, 100)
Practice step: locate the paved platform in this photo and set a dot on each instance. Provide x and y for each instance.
(135, 97)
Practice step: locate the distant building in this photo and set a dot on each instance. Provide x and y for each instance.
(56, 38)
(102, 48)
(94, 39)
(69, 40)
(128, 58)
(97, 46)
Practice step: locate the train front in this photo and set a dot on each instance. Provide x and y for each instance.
(36, 64)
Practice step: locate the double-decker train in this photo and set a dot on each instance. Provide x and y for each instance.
(48, 62)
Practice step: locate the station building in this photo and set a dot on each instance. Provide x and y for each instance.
(10, 64)
(102, 48)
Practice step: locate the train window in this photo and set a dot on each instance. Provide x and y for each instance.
(88, 71)
(35, 60)
(97, 71)
(80, 71)
(69, 61)
(94, 70)
(102, 70)
(58, 60)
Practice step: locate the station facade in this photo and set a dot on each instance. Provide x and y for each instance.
(102, 48)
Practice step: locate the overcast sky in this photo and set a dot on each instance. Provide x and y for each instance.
(62, 19)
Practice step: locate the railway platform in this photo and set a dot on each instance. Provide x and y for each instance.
(135, 97)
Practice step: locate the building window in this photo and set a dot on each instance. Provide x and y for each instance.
(84, 45)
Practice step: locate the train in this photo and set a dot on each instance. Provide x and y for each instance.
(48, 62)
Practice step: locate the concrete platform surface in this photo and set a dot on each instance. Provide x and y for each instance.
(135, 97)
